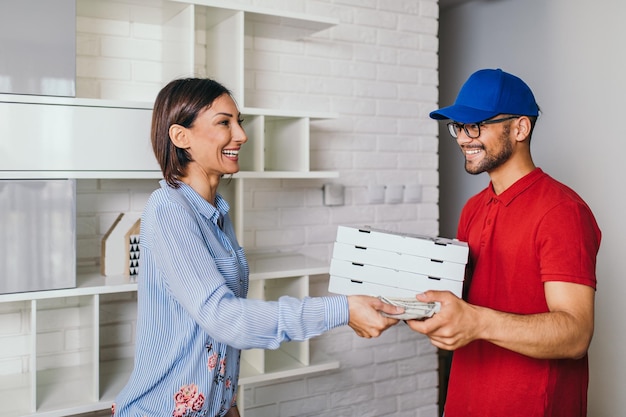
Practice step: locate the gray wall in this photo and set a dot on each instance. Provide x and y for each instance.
(570, 53)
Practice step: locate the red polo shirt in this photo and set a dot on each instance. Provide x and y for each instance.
(537, 230)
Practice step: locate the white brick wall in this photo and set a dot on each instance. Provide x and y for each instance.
(378, 71)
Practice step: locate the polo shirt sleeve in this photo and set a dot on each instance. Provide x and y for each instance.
(568, 240)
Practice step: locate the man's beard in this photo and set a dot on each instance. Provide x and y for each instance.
(493, 161)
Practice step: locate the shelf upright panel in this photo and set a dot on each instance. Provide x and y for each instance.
(178, 41)
(232, 190)
(223, 38)
(33, 363)
(253, 360)
(95, 346)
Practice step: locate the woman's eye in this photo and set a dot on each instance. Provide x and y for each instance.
(240, 121)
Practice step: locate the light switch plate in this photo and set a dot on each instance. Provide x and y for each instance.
(412, 193)
(394, 194)
(376, 194)
(334, 195)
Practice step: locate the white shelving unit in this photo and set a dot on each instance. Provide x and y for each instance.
(92, 383)
(85, 138)
(92, 138)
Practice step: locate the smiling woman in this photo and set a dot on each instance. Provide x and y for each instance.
(193, 314)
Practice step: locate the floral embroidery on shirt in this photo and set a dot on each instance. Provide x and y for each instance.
(214, 359)
(188, 399)
(223, 366)
(212, 363)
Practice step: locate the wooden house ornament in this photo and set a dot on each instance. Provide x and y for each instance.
(119, 253)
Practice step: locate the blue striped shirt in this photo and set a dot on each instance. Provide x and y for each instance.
(193, 315)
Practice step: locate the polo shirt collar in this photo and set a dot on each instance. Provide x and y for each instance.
(517, 188)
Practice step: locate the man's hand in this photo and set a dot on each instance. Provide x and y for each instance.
(454, 325)
(365, 317)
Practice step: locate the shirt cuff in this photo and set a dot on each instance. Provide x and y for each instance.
(337, 311)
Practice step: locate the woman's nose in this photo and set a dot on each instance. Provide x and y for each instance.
(240, 134)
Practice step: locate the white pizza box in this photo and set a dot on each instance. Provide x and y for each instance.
(400, 261)
(437, 248)
(346, 286)
(345, 277)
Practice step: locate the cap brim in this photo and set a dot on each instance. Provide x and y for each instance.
(462, 114)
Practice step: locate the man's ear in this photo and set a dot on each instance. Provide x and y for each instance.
(523, 128)
(178, 135)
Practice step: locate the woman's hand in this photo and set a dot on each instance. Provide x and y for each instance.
(365, 317)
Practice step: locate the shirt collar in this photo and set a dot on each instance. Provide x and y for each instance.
(212, 213)
(517, 188)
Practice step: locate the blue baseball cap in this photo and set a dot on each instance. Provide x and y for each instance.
(488, 93)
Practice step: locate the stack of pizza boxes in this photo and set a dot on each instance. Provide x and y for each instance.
(382, 263)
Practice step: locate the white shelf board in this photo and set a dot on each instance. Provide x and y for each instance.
(64, 388)
(15, 394)
(283, 265)
(262, 266)
(87, 283)
(279, 365)
(124, 104)
(257, 111)
(286, 174)
(113, 377)
(311, 23)
(28, 175)
(74, 101)
(70, 410)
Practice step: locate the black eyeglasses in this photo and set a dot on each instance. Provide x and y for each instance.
(472, 130)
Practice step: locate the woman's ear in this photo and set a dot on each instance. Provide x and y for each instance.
(178, 136)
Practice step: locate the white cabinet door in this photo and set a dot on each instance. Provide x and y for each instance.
(49, 137)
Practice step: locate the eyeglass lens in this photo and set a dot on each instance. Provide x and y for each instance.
(472, 130)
